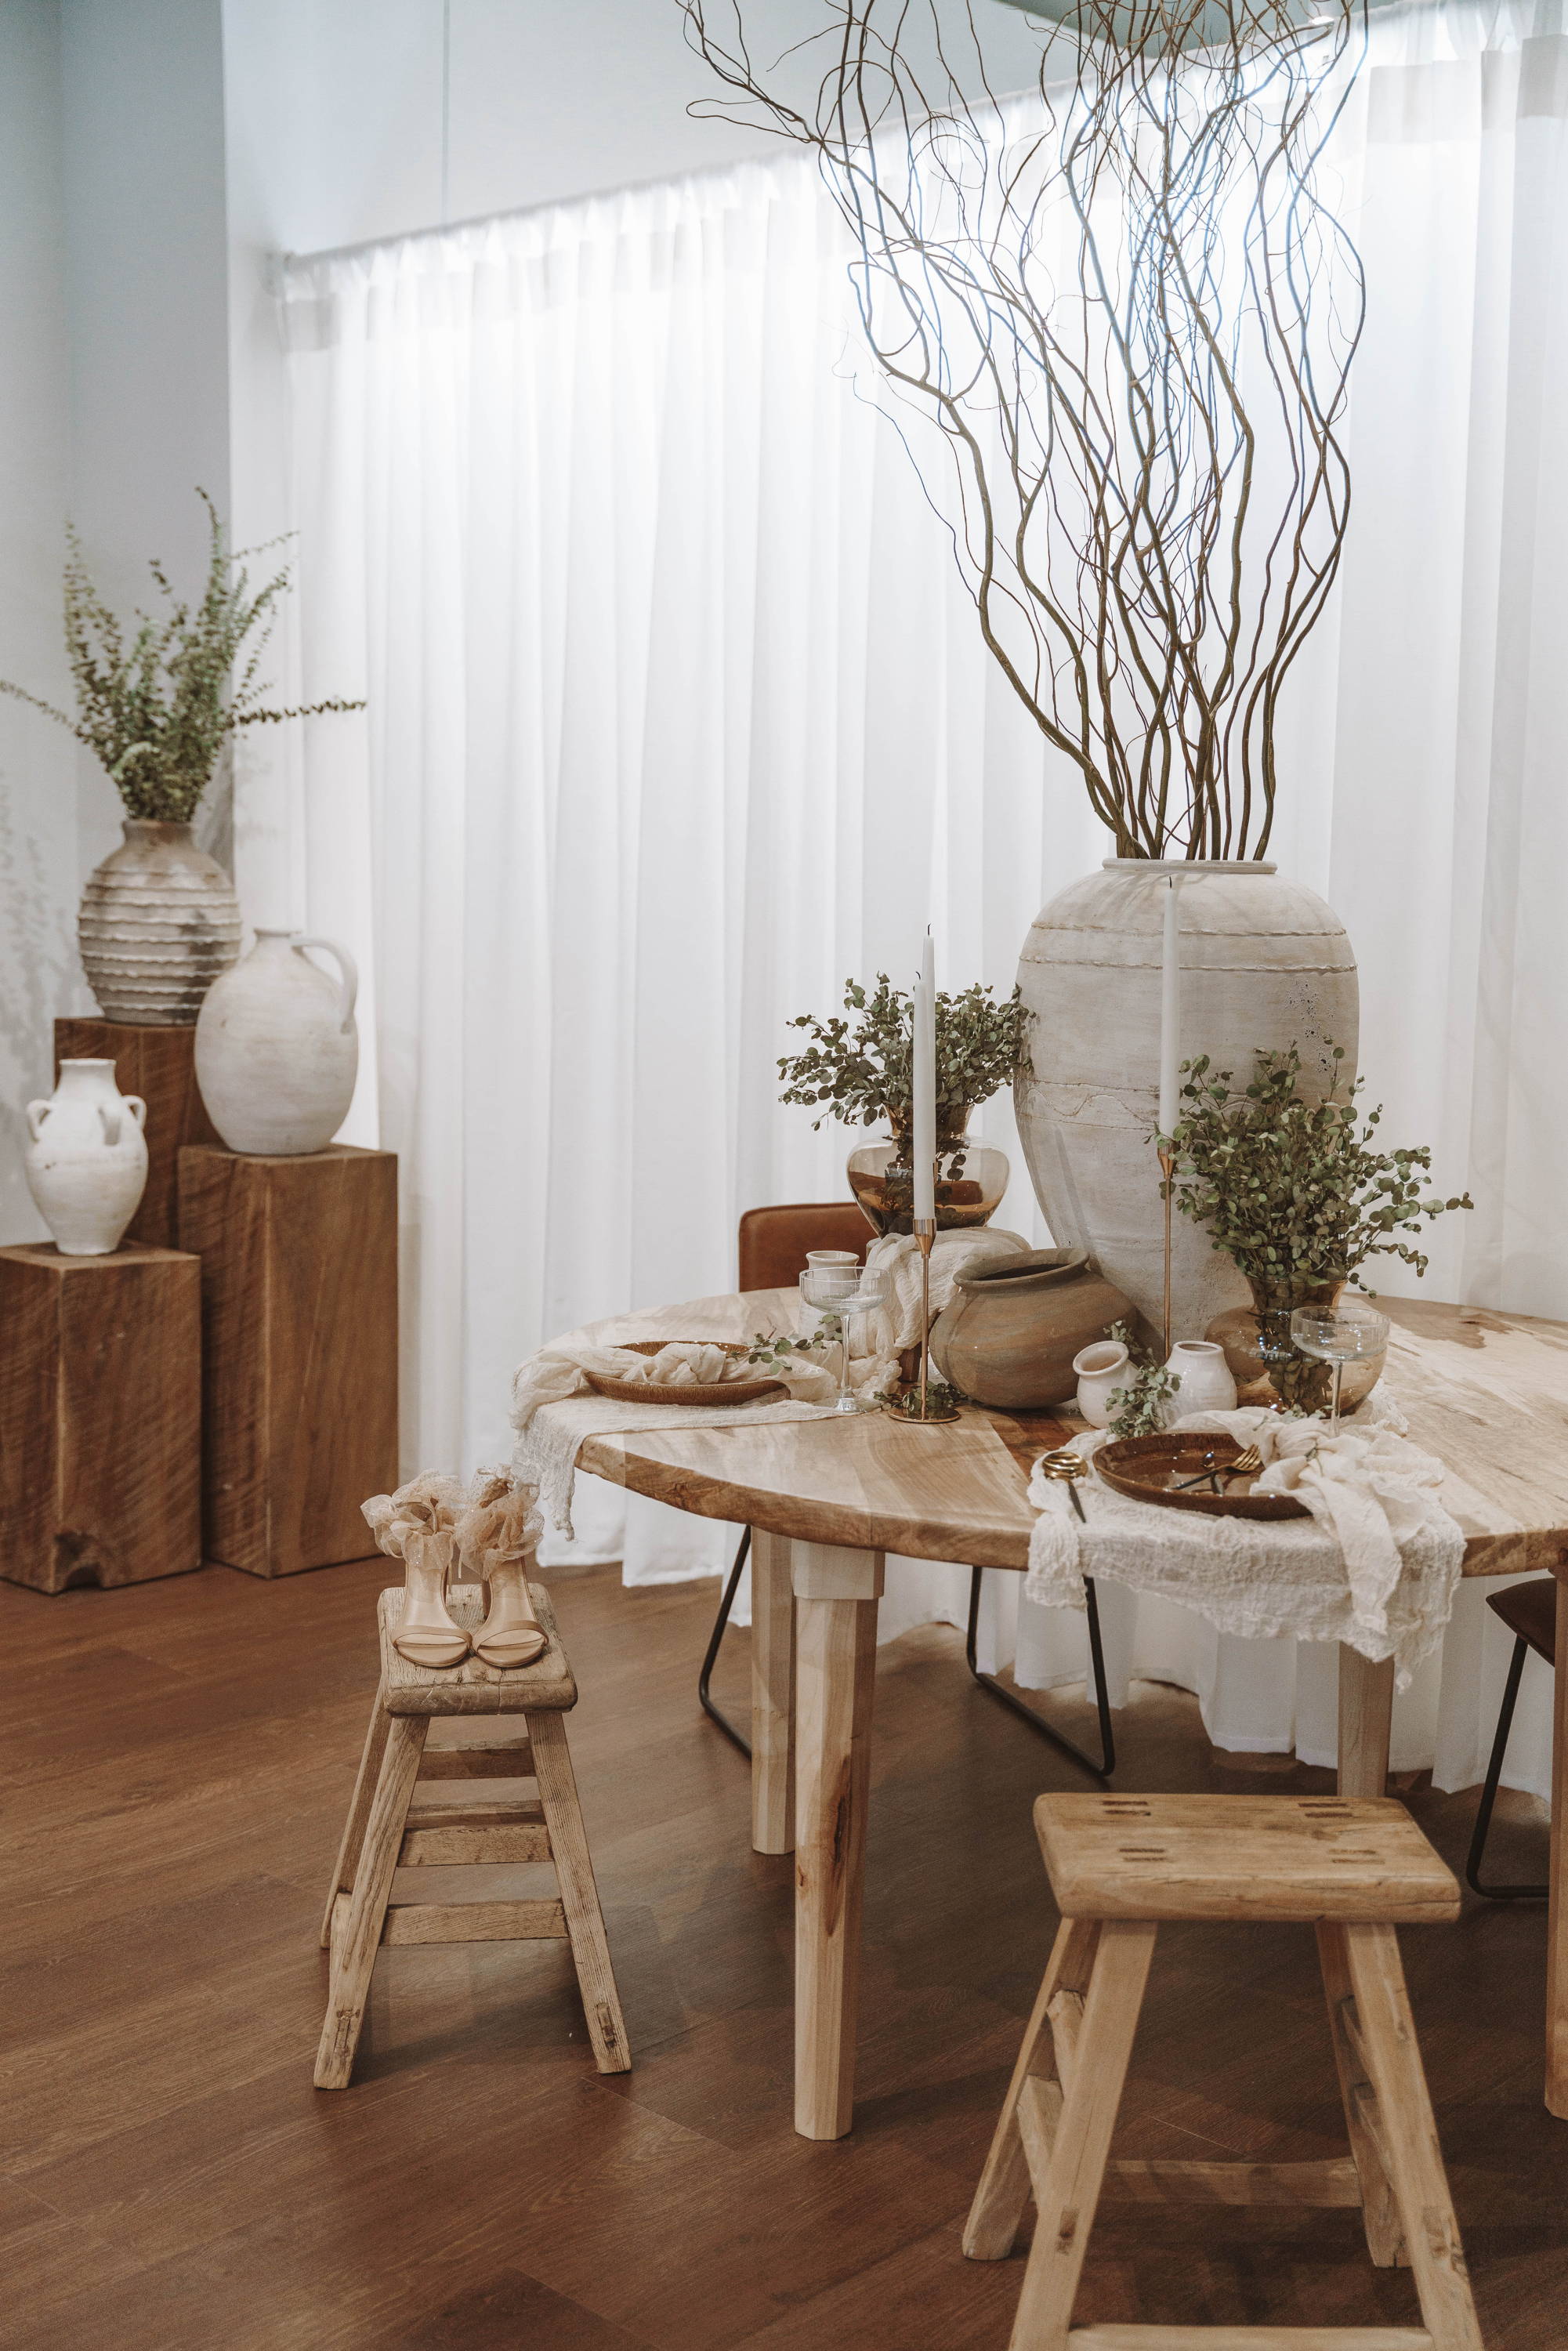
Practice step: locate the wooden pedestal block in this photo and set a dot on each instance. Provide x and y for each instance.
(300, 1349)
(100, 1405)
(160, 1065)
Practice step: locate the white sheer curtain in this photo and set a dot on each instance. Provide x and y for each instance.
(678, 713)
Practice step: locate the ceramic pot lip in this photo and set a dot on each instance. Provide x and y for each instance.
(1160, 866)
(1100, 1356)
(1197, 1347)
(157, 828)
(1026, 1269)
(82, 1062)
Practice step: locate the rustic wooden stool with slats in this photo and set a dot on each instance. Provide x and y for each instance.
(387, 1830)
(1353, 1868)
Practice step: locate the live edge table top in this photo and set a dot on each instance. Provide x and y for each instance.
(1486, 1393)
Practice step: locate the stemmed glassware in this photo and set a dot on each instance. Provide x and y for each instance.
(838, 1292)
(1340, 1334)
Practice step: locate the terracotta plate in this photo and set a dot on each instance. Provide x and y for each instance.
(715, 1392)
(1146, 1468)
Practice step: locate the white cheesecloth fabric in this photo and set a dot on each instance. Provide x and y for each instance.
(1374, 1566)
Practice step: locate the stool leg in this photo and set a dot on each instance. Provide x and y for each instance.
(1066, 2199)
(358, 1814)
(1000, 2199)
(354, 1945)
(1410, 2134)
(1379, 2216)
(579, 1894)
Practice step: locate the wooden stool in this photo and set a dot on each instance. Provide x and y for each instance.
(1351, 1867)
(385, 1831)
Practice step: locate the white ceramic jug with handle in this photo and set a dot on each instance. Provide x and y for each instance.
(85, 1158)
(277, 1049)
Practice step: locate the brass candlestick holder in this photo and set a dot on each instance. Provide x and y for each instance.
(1168, 1171)
(920, 1406)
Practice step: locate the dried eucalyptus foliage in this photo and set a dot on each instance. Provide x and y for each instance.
(1138, 1408)
(1123, 313)
(156, 710)
(860, 1067)
(1290, 1189)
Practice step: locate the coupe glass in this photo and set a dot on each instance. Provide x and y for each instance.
(1339, 1336)
(838, 1292)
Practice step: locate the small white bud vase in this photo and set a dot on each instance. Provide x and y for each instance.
(86, 1159)
(277, 1049)
(1205, 1383)
(1100, 1368)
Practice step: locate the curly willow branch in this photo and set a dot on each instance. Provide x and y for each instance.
(1130, 314)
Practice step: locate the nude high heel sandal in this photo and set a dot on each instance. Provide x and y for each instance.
(497, 1537)
(416, 1525)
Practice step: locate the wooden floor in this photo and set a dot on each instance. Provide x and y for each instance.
(175, 1762)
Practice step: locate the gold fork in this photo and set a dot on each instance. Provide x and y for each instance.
(1244, 1465)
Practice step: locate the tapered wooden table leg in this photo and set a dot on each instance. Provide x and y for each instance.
(836, 1595)
(1365, 1713)
(1557, 1916)
(772, 1696)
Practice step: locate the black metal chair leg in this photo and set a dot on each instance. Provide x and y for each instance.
(715, 1637)
(1032, 1715)
(1489, 1793)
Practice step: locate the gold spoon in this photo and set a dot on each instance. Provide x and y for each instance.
(1068, 1465)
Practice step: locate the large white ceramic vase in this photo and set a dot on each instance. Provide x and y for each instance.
(85, 1158)
(277, 1049)
(1264, 963)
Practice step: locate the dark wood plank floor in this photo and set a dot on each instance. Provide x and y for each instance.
(175, 1761)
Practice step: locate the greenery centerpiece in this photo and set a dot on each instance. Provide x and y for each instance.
(155, 704)
(1299, 1195)
(859, 1069)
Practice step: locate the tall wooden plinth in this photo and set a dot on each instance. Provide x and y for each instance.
(160, 1065)
(300, 1349)
(100, 1416)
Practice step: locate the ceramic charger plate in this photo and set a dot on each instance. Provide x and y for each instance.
(1149, 1469)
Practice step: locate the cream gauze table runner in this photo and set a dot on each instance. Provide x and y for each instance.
(1374, 1566)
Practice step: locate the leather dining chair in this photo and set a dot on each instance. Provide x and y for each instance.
(771, 1252)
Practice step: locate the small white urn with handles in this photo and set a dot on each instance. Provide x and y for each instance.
(85, 1158)
(277, 1049)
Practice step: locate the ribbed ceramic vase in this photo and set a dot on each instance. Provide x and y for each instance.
(1264, 963)
(159, 922)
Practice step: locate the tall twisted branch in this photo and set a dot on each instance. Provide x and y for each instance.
(1130, 314)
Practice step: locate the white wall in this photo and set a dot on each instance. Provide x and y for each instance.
(146, 272)
(38, 759)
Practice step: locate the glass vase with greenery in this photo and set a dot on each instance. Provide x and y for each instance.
(157, 706)
(1299, 1195)
(859, 1069)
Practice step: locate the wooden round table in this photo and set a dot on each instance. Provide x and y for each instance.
(827, 1499)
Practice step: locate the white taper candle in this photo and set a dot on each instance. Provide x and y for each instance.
(923, 1087)
(1170, 1009)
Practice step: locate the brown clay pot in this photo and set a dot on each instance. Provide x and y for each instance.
(1009, 1336)
(1264, 1364)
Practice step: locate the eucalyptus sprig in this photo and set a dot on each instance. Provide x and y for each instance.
(774, 1352)
(1289, 1189)
(1137, 1408)
(156, 710)
(860, 1068)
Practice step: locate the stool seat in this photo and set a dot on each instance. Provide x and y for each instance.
(474, 1687)
(1530, 1612)
(1265, 1857)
